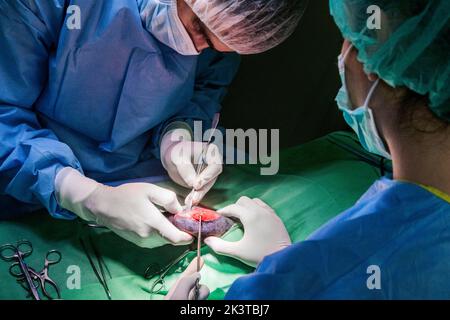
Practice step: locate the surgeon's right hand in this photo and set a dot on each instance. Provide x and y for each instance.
(264, 232)
(128, 210)
(184, 288)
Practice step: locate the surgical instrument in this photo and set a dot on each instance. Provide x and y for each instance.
(18, 252)
(44, 281)
(199, 266)
(159, 284)
(201, 161)
(99, 274)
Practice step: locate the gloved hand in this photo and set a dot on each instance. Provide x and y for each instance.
(128, 210)
(184, 288)
(264, 232)
(179, 156)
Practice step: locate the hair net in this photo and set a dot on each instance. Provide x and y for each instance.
(410, 48)
(250, 26)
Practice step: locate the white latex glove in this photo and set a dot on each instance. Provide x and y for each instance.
(179, 156)
(184, 288)
(264, 232)
(128, 210)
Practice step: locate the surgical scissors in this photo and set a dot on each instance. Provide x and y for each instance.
(52, 257)
(159, 284)
(18, 253)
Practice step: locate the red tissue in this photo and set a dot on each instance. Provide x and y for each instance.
(205, 214)
(213, 224)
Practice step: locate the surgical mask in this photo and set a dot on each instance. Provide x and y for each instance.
(360, 119)
(161, 19)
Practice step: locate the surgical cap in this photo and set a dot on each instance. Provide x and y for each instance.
(250, 26)
(410, 47)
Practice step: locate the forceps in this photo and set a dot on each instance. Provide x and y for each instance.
(201, 161)
(199, 254)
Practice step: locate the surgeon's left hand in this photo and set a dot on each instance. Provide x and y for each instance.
(264, 232)
(179, 156)
(184, 288)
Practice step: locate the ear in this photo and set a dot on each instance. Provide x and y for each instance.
(372, 77)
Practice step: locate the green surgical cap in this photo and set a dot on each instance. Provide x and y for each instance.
(410, 48)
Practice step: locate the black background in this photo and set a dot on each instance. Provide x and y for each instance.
(292, 87)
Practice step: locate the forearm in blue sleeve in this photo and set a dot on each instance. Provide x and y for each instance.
(30, 156)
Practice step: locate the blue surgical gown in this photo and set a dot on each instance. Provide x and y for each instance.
(96, 98)
(393, 244)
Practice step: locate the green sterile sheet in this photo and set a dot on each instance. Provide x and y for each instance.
(316, 182)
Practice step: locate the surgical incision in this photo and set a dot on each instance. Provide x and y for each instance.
(213, 224)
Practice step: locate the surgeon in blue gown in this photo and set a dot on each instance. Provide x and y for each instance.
(394, 243)
(90, 91)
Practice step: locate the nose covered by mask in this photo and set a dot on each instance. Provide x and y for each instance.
(361, 119)
(160, 17)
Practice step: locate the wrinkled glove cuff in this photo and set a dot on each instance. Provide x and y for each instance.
(72, 189)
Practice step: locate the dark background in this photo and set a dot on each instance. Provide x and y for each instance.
(292, 87)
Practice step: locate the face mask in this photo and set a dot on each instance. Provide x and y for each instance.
(360, 119)
(161, 19)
